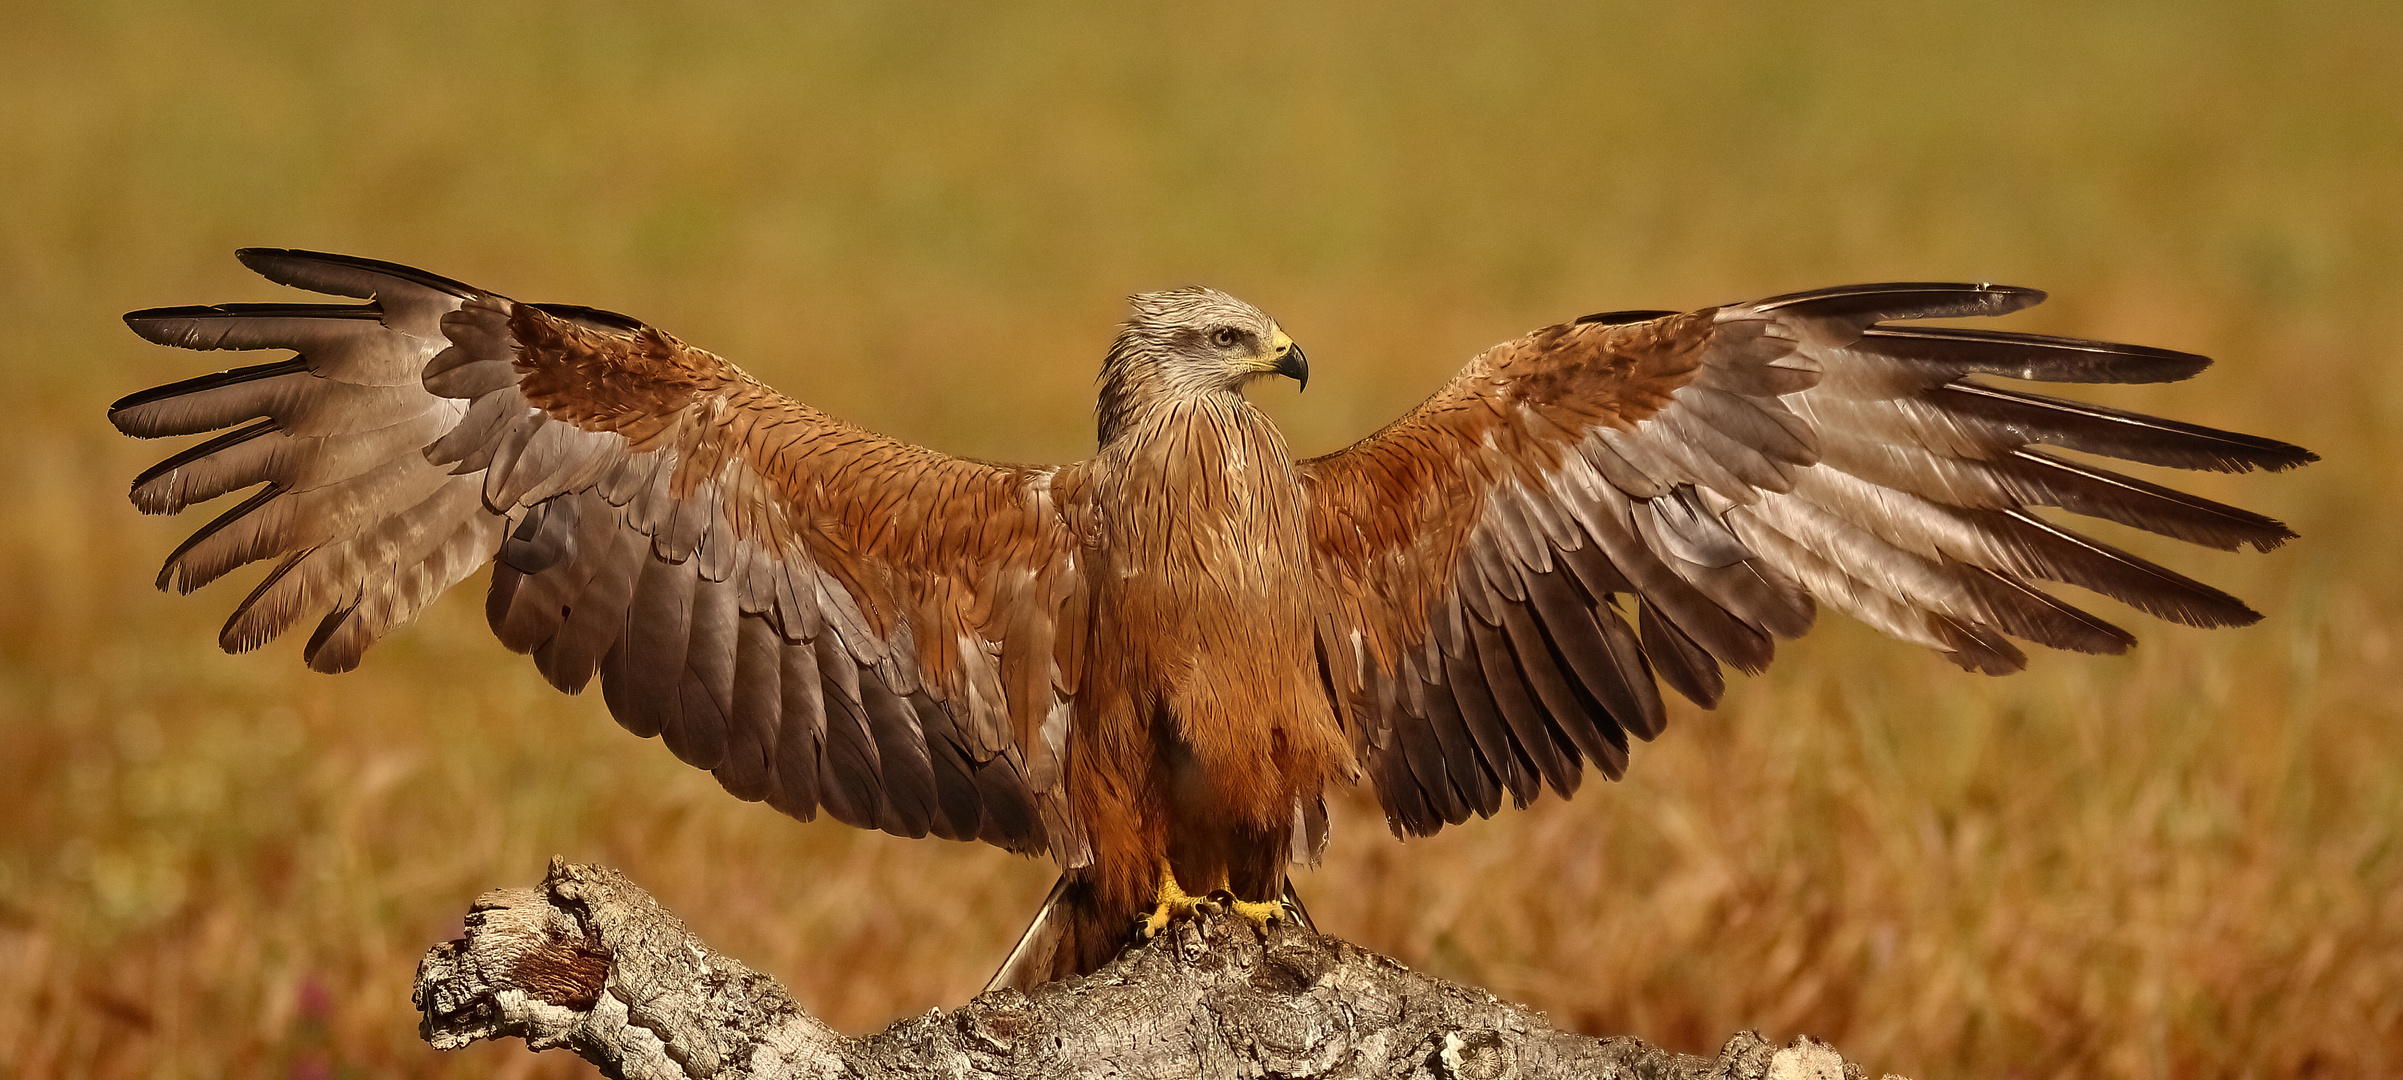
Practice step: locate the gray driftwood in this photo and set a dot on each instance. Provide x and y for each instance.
(590, 962)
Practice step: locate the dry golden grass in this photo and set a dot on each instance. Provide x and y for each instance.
(2184, 862)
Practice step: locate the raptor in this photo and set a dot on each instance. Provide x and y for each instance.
(1151, 665)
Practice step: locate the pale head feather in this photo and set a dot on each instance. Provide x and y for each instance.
(1181, 344)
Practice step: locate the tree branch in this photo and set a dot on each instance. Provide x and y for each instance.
(590, 962)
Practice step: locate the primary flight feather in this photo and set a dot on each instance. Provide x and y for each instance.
(1151, 664)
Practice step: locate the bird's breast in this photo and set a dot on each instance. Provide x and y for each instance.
(1206, 502)
(1207, 563)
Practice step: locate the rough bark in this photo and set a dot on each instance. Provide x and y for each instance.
(590, 962)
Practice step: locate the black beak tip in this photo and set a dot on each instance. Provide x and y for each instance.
(1295, 366)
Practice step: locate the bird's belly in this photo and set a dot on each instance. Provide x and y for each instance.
(1238, 716)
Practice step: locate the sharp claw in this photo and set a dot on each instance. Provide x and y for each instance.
(1261, 914)
(1174, 902)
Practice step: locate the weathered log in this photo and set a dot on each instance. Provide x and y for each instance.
(590, 962)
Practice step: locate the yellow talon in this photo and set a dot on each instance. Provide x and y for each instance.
(1173, 902)
(1260, 913)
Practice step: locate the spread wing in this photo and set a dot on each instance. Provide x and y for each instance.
(822, 617)
(1645, 496)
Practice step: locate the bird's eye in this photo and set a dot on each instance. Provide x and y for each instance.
(1225, 337)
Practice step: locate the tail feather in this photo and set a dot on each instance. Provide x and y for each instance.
(1293, 903)
(1035, 959)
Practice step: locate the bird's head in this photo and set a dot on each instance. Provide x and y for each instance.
(1196, 339)
(1188, 343)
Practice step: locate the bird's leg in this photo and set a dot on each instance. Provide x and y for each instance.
(1258, 913)
(1174, 902)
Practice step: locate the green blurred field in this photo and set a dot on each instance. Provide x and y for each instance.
(2185, 862)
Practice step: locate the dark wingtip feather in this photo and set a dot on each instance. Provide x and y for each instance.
(239, 635)
(2023, 610)
(2049, 480)
(182, 578)
(2289, 456)
(151, 500)
(322, 271)
(1979, 648)
(126, 412)
(2129, 436)
(2080, 560)
(1905, 300)
(1679, 661)
(1955, 351)
(327, 661)
(251, 310)
(157, 325)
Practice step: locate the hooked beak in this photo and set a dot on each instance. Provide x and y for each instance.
(1293, 365)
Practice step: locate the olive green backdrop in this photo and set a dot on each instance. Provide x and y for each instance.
(921, 217)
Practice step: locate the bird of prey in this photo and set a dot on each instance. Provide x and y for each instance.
(1150, 665)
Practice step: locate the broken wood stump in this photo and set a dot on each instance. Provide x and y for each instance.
(589, 962)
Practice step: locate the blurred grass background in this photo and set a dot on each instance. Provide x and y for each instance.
(2183, 862)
